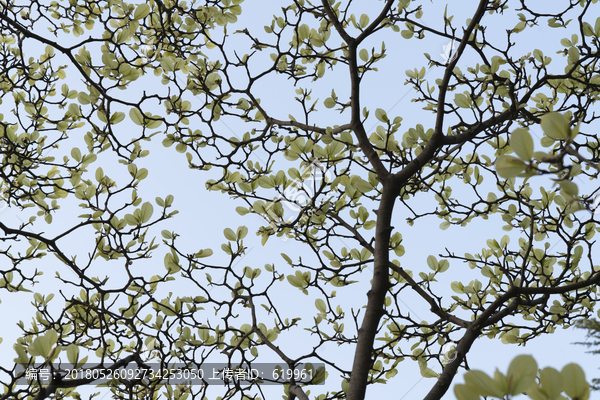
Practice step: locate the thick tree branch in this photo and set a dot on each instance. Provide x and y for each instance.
(376, 297)
(296, 391)
(445, 379)
(336, 23)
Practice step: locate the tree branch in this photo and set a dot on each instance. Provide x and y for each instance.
(296, 391)
(60, 384)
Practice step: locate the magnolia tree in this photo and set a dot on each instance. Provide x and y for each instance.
(89, 87)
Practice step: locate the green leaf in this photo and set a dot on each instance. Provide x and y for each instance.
(464, 392)
(321, 306)
(136, 116)
(101, 116)
(362, 186)
(509, 166)
(88, 159)
(406, 34)
(22, 356)
(286, 258)
(303, 32)
(427, 372)
(457, 287)
(141, 11)
(204, 253)
(462, 101)
(172, 263)
(168, 64)
(147, 210)
(364, 55)
(74, 109)
(432, 262)
(83, 98)
(117, 117)
(568, 189)
(76, 154)
(295, 281)
(229, 234)
(329, 102)
(575, 385)
(552, 382)
(522, 143)
(73, 353)
(482, 384)
(381, 115)
(154, 123)
(242, 232)
(555, 126)
(131, 220)
(242, 210)
(443, 266)
(213, 80)
(42, 345)
(363, 21)
(141, 174)
(521, 374)
(519, 27)
(587, 29)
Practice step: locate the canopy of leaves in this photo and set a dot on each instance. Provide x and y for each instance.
(88, 88)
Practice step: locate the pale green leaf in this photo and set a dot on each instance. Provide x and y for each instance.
(73, 353)
(141, 11)
(76, 154)
(428, 373)
(521, 374)
(136, 116)
(363, 21)
(462, 100)
(574, 383)
(147, 210)
(362, 186)
(482, 384)
(229, 234)
(509, 166)
(242, 210)
(464, 392)
(406, 34)
(381, 115)
(364, 55)
(242, 232)
(42, 345)
(329, 102)
(555, 126)
(522, 143)
(552, 382)
(432, 262)
(321, 306)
